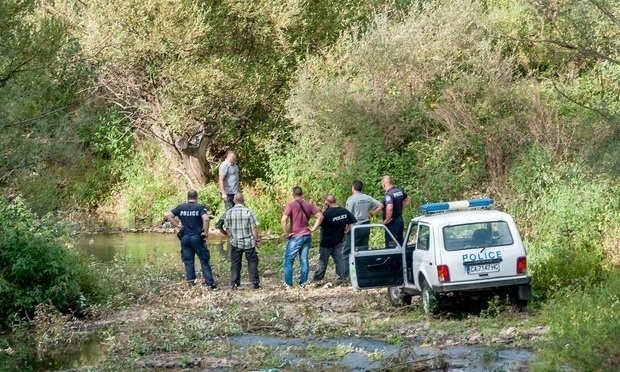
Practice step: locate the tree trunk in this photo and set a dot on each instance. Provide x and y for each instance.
(195, 163)
(191, 154)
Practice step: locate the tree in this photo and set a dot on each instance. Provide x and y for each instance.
(36, 86)
(204, 76)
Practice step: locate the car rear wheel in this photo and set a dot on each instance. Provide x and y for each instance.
(430, 304)
(398, 297)
(519, 297)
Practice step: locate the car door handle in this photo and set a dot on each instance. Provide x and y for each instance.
(374, 266)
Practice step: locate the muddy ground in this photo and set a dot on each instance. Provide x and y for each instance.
(317, 327)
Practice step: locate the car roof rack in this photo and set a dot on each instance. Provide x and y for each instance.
(459, 205)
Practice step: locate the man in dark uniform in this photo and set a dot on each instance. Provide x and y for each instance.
(337, 221)
(193, 233)
(394, 201)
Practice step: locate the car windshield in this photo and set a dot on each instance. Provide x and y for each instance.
(476, 235)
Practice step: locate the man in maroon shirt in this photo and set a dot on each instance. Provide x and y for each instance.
(296, 229)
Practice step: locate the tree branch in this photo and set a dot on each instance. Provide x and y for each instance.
(40, 116)
(566, 96)
(605, 11)
(188, 180)
(23, 164)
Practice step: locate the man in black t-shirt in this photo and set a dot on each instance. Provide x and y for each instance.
(193, 232)
(337, 221)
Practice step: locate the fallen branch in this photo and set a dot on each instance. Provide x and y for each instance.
(188, 180)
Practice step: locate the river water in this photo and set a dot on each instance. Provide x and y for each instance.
(141, 248)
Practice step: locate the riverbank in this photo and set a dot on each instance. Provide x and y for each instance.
(156, 322)
(315, 327)
(147, 318)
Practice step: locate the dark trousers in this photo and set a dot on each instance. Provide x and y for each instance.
(191, 246)
(336, 254)
(397, 228)
(228, 203)
(362, 236)
(236, 256)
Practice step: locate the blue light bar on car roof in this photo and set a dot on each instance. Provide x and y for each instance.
(456, 205)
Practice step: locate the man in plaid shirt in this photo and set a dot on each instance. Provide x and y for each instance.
(242, 228)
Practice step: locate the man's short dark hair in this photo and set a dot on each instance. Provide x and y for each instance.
(297, 191)
(192, 195)
(357, 185)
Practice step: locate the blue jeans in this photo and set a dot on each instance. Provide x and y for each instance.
(191, 246)
(299, 245)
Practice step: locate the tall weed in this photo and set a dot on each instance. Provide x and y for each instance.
(147, 189)
(566, 214)
(584, 328)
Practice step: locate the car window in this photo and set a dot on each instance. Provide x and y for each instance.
(424, 236)
(372, 238)
(477, 235)
(412, 237)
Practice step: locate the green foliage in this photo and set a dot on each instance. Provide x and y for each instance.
(584, 328)
(424, 122)
(223, 67)
(112, 140)
(36, 268)
(268, 203)
(566, 216)
(147, 192)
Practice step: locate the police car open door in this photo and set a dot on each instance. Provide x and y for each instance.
(376, 259)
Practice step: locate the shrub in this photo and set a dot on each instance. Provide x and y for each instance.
(566, 214)
(584, 328)
(36, 268)
(148, 188)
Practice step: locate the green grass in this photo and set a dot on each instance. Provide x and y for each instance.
(585, 328)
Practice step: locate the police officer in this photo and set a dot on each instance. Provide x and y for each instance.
(337, 222)
(394, 201)
(193, 233)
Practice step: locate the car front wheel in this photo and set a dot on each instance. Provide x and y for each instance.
(398, 297)
(429, 300)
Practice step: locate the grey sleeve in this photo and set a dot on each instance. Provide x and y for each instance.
(223, 169)
(374, 202)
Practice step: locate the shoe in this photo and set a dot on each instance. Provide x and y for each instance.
(234, 287)
(256, 286)
(213, 287)
(288, 287)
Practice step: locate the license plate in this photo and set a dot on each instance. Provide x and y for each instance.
(483, 269)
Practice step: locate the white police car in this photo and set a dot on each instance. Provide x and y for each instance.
(455, 248)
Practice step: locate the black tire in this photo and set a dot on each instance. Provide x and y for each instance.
(397, 297)
(513, 296)
(430, 303)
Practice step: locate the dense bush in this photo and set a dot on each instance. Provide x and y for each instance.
(36, 268)
(566, 213)
(584, 328)
(399, 99)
